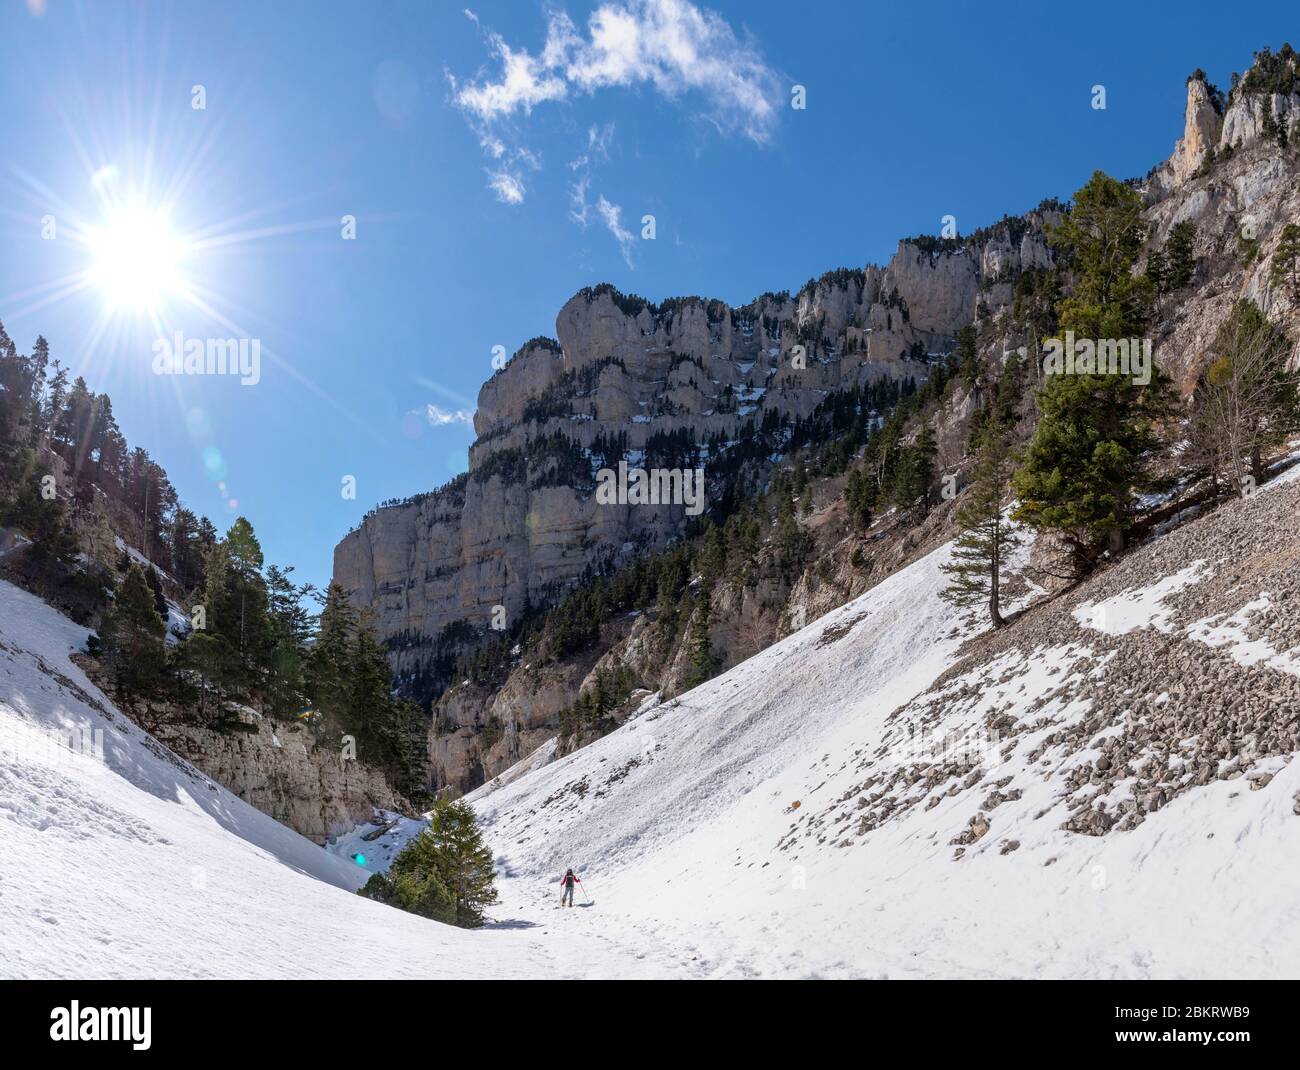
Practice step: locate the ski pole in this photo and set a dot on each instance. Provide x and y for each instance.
(584, 891)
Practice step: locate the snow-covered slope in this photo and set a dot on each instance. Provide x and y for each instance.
(1103, 789)
(804, 814)
(130, 863)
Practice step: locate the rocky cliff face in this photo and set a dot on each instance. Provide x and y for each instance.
(622, 374)
(1201, 128)
(1239, 189)
(278, 767)
(623, 377)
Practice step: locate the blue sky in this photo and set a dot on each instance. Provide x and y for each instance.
(483, 159)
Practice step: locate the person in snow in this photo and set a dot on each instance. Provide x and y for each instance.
(568, 880)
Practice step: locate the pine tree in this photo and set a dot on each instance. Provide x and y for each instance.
(713, 554)
(444, 873)
(51, 558)
(1181, 255)
(132, 636)
(155, 585)
(915, 472)
(1099, 241)
(1092, 450)
(369, 696)
(235, 599)
(1088, 460)
(704, 663)
(986, 537)
(1286, 262)
(792, 542)
(1158, 271)
(969, 365)
(859, 496)
(211, 658)
(290, 631)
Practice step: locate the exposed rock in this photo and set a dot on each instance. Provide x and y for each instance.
(279, 767)
(1201, 128)
(524, 525)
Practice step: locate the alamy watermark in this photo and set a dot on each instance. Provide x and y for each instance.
(1101, 356)
(656, 486)
(76, 1022)
(178, 355)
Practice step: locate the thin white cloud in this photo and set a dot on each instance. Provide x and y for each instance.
(599, 140)
(611, 214)
(674, 46)
(507, 185)
(440, 417)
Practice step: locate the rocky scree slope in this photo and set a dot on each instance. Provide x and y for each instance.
(1104, 789)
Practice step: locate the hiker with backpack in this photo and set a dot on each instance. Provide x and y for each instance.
(568, 880)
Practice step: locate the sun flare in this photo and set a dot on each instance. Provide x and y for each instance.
(136, 260)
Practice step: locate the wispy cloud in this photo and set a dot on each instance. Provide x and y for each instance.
(440, 417)
(599, 140)
(675, 47)
(611, 214)
(507, 185)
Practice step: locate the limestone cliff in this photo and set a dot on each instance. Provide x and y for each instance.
(624, 376)
(279, 767)
(630, 380)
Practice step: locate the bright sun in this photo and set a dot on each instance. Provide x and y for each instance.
(136, 260)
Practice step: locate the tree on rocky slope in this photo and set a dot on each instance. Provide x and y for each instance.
(132, 636)
(1180, 255)
(1245, 400)
(1099, 241)
(1090, 458)
(915, 471)
(704, 661)
(1093, 448)
(859, 495)
(1286, 262)
(986, 537)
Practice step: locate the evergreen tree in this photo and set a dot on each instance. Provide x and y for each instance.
(211, 659)
(51, 558)
(132, 636)
(1286, 262)
(792, 542)
(369, 696)
(1087, 462)
(1158, 271)
(235, 599)
(1092, 449)
(985, 538)
(969, 365)
(704, 661)
(915, 472)
(188, 547)
(445, 873)
(859, 495)
(1099, 241)
(713, 554)
(155, 585)
(1181, 255)
(289, 634)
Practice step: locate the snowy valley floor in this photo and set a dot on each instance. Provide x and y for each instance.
(867, 798)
